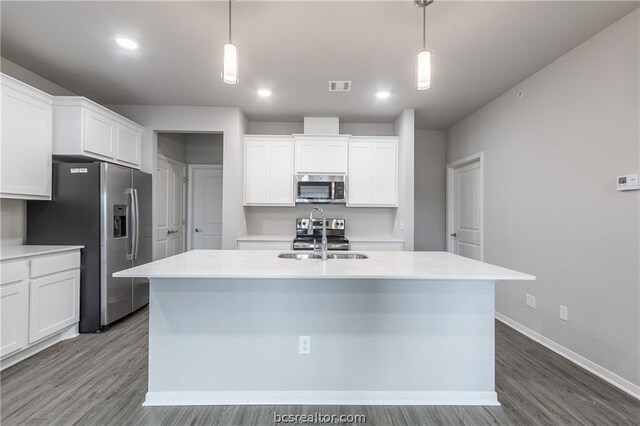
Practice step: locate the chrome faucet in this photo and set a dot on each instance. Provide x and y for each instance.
(324, 231)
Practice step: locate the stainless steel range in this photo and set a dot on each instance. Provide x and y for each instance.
(335, 234)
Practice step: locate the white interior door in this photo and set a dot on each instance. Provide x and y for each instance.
(163, 186)
(178, 208)
(466, 215)
(170, 205)
(206, 207)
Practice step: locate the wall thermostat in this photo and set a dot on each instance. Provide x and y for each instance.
(628, 182)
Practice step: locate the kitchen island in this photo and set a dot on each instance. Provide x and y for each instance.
(413, 328)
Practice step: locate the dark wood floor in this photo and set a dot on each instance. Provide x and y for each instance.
(101, 379)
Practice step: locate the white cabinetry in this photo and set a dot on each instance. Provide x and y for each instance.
(373, 172)
(14, 306)
(377, 245)
(268, 173)
(25, 147)
(82, 128)
(264, 245)
(322, 154)
(54, 294)
(39, 297)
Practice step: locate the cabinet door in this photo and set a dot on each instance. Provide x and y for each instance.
(359, 191)
(25, 148)
(257, 171)
(14, 306)
(308, 157)
(334, 157)
(53, 303)
(384, 174)
(99, 134)
(128, 145)
(281, 190)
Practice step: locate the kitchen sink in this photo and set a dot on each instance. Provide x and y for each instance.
(313, 255)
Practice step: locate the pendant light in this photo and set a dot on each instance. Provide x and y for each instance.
(230, 59)
(423, 72)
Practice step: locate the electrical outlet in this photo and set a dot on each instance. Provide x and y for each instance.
(564, 313)
(304, 345)
(531, 301)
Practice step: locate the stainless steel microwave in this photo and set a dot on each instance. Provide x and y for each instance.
(321, 189)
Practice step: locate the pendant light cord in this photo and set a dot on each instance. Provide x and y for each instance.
(229, 21)
(424, 26)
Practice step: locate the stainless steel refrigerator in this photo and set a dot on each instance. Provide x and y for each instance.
(107, 208)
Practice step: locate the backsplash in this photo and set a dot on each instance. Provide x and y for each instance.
(13, 222)
(359, 221)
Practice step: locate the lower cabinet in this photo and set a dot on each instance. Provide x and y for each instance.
(264, 245)
(14, 307)
(39, 296)
(53, 303)
(377, 246)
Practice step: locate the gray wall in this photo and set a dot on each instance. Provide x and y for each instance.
(551, 207)
(173, 145)
(430, 190)
(204, 148)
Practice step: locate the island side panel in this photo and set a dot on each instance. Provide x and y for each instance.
(235, 341)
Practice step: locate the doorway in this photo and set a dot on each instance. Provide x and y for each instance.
(465, 201)
(188, 192)
(204, 223)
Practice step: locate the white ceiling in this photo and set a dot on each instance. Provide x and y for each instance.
(481, 49)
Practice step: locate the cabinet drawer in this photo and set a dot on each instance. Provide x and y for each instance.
(55, 263)
(53, 303)
(14, 271)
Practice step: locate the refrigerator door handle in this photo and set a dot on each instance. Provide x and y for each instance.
(131, 221)
(136, 224)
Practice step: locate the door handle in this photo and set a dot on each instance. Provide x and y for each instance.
(454, 235)
(197, 229)
(171, 231)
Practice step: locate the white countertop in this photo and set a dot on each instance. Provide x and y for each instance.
(266, 264)
(17, 252)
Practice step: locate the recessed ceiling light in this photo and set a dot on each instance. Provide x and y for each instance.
(127, 43)
(264, 93)
(383, 94)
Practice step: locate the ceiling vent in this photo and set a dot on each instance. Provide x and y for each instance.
(340, 86)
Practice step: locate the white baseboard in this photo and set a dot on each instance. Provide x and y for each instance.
(322, 398)
(592, 367)
(65, 334)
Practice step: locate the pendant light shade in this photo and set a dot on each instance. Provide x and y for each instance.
(230, 59)
(423, 69)
(230, 67)
(423, 77)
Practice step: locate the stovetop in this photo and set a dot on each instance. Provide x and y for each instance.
(335, 234)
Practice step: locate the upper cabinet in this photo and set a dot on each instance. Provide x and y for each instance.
(25, 147)
(268, 172)
(321, 154)
(373, 172)
(82, 128)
